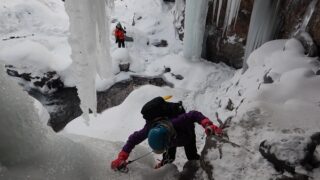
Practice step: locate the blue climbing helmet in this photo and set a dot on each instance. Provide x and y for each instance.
(160, 135)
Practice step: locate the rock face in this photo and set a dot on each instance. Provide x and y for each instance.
(293, 13)
(228, 48)
(285, 156)
(63, 103)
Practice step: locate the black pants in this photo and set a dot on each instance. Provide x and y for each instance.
(120, 43)
(190, 150)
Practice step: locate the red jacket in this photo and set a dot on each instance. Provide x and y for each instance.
(119, 33)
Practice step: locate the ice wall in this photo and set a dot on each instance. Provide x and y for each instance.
(196, 14)
(29, 150)
(263, 25)
(89, 32)
(20, 128)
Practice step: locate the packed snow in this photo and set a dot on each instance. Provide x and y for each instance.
(277, 111)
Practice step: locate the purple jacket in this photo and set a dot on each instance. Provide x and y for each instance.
(183, 124)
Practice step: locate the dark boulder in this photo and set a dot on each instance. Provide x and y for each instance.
(161, 43)
(285, 155)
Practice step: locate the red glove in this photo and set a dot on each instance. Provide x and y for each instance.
(159, 165)
(120, 161)
(210, 128)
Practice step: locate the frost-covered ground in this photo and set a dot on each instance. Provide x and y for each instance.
(278, 112)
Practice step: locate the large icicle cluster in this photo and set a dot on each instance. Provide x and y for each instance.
(232, 10)
(89, 28)
(263, 25)
(196, 14)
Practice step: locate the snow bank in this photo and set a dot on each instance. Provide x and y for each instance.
(126, 117)
(196, 75)
(280, 110)
(21, 17)
(26, 54)
(292, 98)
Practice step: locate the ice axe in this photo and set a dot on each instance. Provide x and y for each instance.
(123, 167)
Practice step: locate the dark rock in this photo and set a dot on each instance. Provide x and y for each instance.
(318, 72)
(295, 177)
(218, 46)
(161, 43)
(117, 93)
(177, 76)
(114, 20)
(230, 105)
(168, 0)
(310, 47)
(124, 67)
(63, 105)
(12, 73)
(167, 69)
(293, 13)
(292, 147)
(267, 79)
(189, 170)
(310, 161)
(279, 165)
(49, 79)
(128, 38)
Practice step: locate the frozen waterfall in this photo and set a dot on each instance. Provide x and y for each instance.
(89, 28)
(263, 25)
(196, 14)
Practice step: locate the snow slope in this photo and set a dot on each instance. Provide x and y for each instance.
(278, 112)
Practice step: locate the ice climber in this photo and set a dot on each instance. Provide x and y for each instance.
(167, 127)
(119, 34)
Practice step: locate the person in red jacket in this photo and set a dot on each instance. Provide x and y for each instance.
(119, 34)
(165, 134)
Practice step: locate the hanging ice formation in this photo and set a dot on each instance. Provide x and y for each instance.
(263, 25)
(308, 15)
(178, 14)
(196, 14)
(232, 12)
(89, 32)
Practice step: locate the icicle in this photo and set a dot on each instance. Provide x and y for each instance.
(219, 10)
(196, 14)
(231, 13)
(308, 15)
(237, 13)
(214, 10)
(89, 32)
(263, 25)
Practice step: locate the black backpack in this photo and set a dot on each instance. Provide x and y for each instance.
(158, 107)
